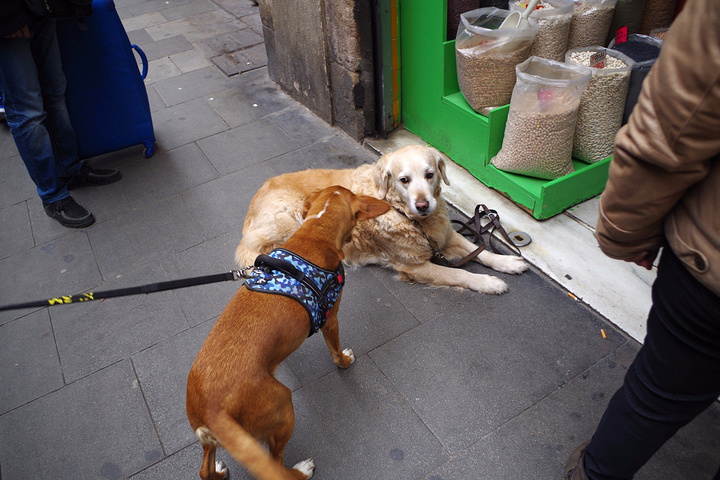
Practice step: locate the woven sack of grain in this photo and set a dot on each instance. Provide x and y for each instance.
(602, 103)
(487, 56)
(553, 19)
(590, 23)
(541, 122)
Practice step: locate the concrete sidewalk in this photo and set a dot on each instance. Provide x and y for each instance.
(448, 385)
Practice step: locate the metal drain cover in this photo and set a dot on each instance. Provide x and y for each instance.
(520, 239)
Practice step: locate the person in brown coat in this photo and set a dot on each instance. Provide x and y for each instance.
(663, 193)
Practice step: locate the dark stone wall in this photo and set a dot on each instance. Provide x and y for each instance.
(320, 52)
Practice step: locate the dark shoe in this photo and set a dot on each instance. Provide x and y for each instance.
(575, 466)
(92, 177)
(69, 213)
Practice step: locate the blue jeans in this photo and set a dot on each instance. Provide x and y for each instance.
(675, 376)
(33, 86)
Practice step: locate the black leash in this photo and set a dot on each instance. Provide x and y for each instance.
(123, 292)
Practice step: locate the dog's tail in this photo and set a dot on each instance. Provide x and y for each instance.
(245, 449)
(244, 256)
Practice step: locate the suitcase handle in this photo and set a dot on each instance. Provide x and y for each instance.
(143, 57)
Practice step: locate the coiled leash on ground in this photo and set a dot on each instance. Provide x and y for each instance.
(473, 227)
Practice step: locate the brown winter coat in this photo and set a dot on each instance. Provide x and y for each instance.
(665, 175)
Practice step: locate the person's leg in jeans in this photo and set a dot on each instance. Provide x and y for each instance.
(675, 376)
(34, 87)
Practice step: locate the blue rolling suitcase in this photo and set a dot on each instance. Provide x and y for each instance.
(106, 96)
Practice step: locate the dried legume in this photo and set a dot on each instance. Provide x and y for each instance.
(602, 104)
(590, 24)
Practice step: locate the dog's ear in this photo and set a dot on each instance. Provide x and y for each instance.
(382, 175)
(366, 207)
(440, 161)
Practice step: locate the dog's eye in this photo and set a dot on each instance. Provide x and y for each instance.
(429, 175)
(404, 180)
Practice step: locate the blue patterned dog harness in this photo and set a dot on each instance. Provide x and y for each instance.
(284, 273)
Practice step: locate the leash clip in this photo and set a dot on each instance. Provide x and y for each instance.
(247, 272)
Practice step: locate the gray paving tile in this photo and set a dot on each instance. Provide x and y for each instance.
(252, 96)
(163, 371)
(165, 174)
(302, 125)
(181, 88)
(150, 6)
(29, 365)
(189, 10)
(369, 317)
(357, 426)
(143, 236)
(231, 42)
(241, 61)
(491, 359)
(204, 302)
(15, 183)
(65, 266)
(220, 205)
(140, 37)
(160, 69)
(338, 151)
(239, 9)
(185, 123)
(508, 452)
(98, 427)
(569, 416)
(16, 234)
(423, 301)
(166, 47)
(93, 335)
(104, 202)
(246, 145)
(7, 144)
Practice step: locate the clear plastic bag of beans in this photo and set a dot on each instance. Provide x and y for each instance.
(553, 18)
(541, 122)
(590, 23)
(602, 103)
(486, 56)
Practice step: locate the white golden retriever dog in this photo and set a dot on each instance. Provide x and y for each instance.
(404, 239)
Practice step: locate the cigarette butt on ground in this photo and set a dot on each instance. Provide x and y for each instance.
(602, 332)
(572, 296)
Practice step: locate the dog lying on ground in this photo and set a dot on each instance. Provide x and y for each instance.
(233, 399)
(405, 239)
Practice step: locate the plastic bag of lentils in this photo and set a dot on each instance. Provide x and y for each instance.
(590, 23)
(643, 50)
(486, 57)
(602, 103)
(553, 18)
(539, 131)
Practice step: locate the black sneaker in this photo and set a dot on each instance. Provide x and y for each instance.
(92, 177)
(69, 213)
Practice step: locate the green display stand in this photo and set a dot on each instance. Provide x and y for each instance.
(434, 109)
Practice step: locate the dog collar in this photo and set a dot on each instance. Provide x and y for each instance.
(282, 272)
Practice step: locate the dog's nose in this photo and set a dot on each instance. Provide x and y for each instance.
(422, 206)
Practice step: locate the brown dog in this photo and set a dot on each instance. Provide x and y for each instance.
(233, 399)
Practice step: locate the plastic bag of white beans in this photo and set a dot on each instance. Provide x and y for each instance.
(602, 103)
(541, 121)
(590, 23)
(553, 18)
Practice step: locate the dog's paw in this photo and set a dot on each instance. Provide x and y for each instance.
(488, 284)
(511, 264)
(306, 467)
(349, 353)
(222, 469)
